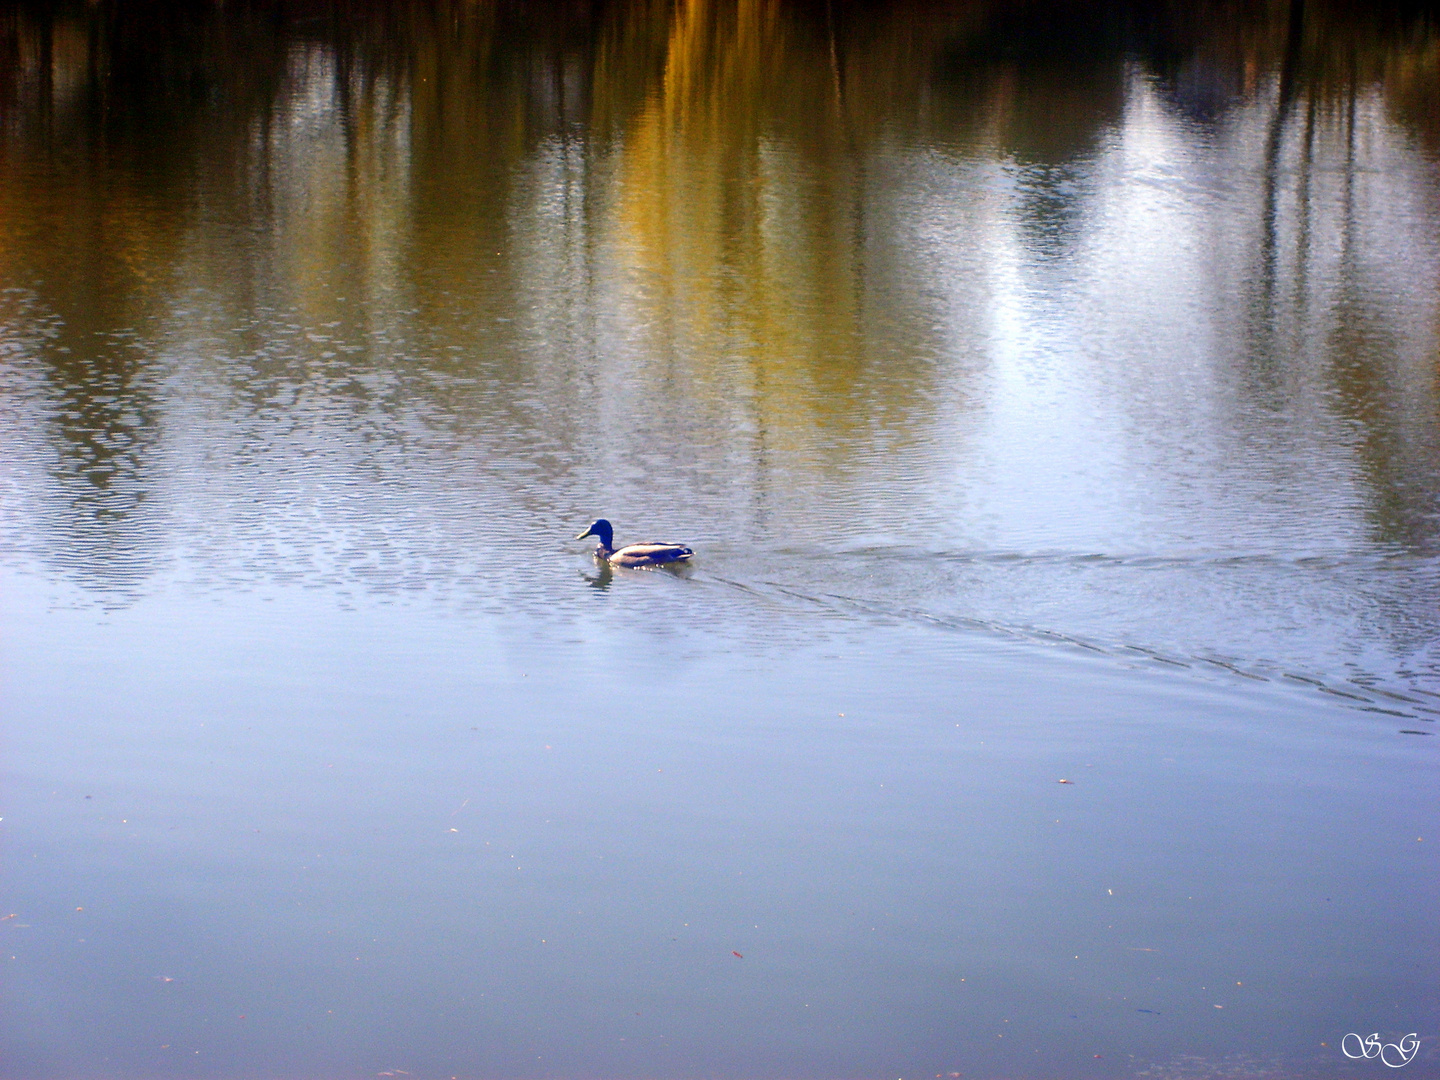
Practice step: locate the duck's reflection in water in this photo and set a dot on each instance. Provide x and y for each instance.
(603, 576)
(606, 572)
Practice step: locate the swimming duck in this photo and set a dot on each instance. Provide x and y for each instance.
(632, 554)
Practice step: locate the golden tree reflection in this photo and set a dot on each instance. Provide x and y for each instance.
(795, 224)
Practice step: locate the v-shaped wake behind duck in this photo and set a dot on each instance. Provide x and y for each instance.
(651, 554)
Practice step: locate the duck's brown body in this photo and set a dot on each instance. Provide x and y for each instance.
(650, 554)
(645, 554)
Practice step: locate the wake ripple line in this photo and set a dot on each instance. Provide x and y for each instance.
(1363, 696)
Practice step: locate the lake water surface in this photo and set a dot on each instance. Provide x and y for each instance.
(1051, 394)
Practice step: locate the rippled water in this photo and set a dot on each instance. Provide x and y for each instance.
(1050, 394)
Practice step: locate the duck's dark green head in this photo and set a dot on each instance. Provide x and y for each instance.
(601, 528)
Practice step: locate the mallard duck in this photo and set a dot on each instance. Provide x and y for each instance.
(632, 554)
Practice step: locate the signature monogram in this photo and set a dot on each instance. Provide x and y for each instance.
(1371, 1047)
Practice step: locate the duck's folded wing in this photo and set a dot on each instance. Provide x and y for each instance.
(656, 552)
